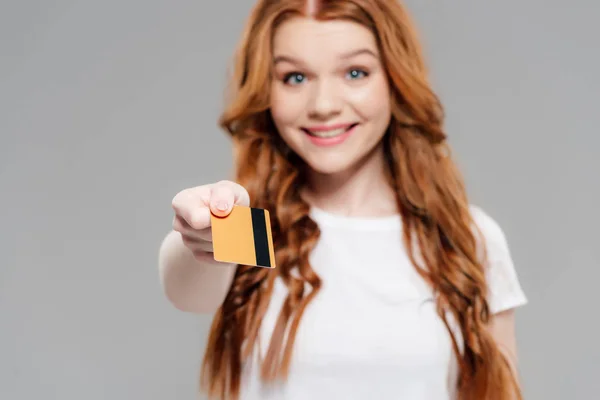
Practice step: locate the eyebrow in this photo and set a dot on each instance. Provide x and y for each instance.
(350, 54)
(355, 53)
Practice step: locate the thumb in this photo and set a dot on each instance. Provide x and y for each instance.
(222, 199)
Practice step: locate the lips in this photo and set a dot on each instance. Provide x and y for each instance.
(328, 131)
(328, 136)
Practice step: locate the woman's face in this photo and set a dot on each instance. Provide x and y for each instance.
(330, 97)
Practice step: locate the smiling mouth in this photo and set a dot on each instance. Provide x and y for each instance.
(328, 133)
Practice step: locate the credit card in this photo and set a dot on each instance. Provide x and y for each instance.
(243, 237)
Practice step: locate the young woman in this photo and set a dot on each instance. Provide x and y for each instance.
(389, 284)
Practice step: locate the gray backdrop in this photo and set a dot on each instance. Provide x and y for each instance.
(108, 108)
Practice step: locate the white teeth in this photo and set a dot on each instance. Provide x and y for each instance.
(328, 134)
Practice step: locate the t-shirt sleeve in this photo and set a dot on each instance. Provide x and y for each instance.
(505, 291)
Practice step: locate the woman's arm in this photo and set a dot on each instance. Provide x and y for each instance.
(192, 280)
(192, 284)
(502, 329)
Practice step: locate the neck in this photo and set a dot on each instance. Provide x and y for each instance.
(362, 190)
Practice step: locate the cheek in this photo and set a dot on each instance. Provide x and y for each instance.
(286, 108)
(372, 102)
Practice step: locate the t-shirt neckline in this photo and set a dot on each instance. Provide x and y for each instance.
(327, 218)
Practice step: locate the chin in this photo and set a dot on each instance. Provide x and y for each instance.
(330, 166)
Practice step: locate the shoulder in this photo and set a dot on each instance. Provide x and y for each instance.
(491, 232)
(486, 223)
(502, 277)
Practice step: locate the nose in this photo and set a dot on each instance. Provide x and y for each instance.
(325, 101)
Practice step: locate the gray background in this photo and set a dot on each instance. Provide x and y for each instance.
(108, 108)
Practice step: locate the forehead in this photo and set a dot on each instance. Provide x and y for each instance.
(310, 39)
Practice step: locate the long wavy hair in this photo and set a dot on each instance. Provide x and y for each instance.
(439, 230)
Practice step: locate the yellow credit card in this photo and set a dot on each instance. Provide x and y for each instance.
(243, 237)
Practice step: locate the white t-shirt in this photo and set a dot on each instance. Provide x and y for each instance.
(372, 331)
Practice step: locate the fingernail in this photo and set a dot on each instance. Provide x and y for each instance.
(222, 206)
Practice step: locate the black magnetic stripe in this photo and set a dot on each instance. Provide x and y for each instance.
(261, 242)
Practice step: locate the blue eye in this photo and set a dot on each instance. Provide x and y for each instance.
(356, 74)
(294, 78)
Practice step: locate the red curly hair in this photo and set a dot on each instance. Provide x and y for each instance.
(438, 227)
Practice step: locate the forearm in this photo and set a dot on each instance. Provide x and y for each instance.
(192, 285)
(511, 360)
